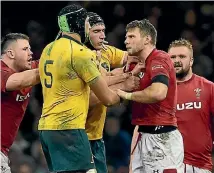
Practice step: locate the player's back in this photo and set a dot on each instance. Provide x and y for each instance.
(65, 68)
(195, 105)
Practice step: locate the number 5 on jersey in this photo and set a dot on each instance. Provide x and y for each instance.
(49, 81)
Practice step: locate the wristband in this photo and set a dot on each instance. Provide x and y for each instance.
(128, 96)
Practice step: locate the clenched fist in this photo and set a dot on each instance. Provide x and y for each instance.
(132, 83)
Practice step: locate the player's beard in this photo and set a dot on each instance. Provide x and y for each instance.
(183, 72)
(135, 51)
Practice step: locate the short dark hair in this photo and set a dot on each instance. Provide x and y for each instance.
(145, 27)
(11, 37)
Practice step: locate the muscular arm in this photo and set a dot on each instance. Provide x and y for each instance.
(103, 92)
(152, 94)
(128, 85)
(94, 100)
(156, 92)
(22, 80)
(111, 80)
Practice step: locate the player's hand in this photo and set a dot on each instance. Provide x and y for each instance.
(130, 60)
(132, 83)
(103, 71)
(121, 93)
(124, 95)
(138, 68)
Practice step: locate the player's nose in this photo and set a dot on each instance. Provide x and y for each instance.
(31, 53)
(126, 42)
(102, 36)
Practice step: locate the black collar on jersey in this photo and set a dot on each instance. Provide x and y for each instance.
(89, 45)
(71, 38)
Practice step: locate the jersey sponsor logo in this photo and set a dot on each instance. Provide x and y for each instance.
(140, 75)
(105, 66)
(156, 67)
(189, 105)
(21, 98)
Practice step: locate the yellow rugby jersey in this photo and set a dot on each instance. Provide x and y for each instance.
(97, 115)
(65, 71)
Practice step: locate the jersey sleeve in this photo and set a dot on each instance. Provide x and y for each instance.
(159, 67)
(86, 68)
(35, 64)
(4, 77)
(115, 56)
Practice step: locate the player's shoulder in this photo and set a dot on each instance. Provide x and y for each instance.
(81, 50)
(47, 47)
(160, 54)
(5, 68)
(109, 48)
(203, 80)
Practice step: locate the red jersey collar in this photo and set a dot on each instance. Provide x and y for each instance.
(150, 55)
(187, 81)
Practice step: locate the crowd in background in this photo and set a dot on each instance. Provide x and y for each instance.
(191, 20)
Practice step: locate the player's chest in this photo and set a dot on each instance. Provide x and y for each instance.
(105, 63)
(21, 96)
(145, 79)
(192, 98)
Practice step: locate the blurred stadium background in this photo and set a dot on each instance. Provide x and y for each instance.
(191, 20)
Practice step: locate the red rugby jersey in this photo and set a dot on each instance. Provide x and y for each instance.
(13, 106)
(195, 105)
(163, 112)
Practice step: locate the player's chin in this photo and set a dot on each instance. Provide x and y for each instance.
(130, 52)
(28, 66)
(98, 47)
(178, 69)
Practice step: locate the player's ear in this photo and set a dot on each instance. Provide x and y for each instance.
(191, 62)
(148, 39)
(11, 54)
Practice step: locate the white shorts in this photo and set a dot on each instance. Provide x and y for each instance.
(159, 153)
(5, 164)
(193, 169)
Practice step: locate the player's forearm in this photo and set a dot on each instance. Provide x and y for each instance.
(152, 94)
(120, 85)
(93, 101)
(111, 99)
(125, 59)
(22, 80)
(111, 80)
(103, 92)
(144, 96)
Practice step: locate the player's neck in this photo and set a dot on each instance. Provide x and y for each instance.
(186, 78)
(73, 35)
(146, 52)
(9, 63)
